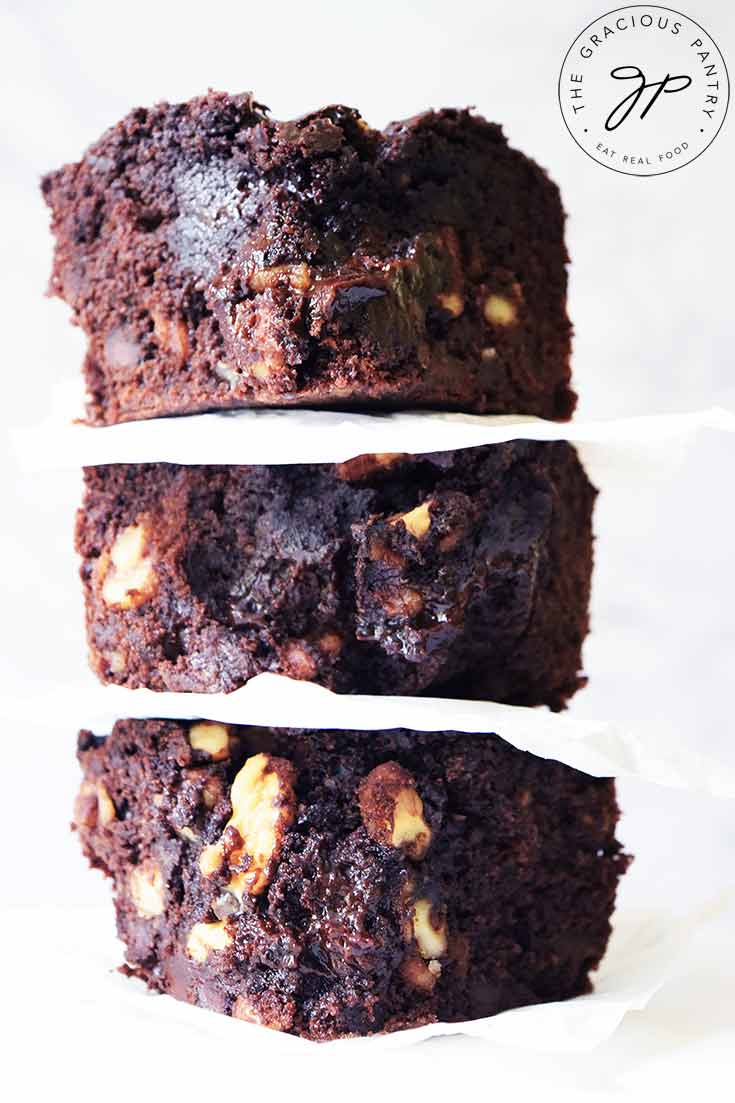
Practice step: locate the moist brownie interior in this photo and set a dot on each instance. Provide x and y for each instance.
(461, 574)
(215, 258)
(337, 883)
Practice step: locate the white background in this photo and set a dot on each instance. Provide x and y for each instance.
(651, 298)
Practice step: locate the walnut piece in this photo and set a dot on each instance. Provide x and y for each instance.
(297, 276)
(205, 937)
(128, 577)
(146, 889)
(211, 859)
(452, 303)
(172, 335)
(274, 1017)
(260, 370)
(361, 467)
(213, 739)
(93, 805)
(223, 370)
(417, 521)
(392, 810)
(500, 310)
(263, 807)
(429, 930)
(116, 662)
(427, 934)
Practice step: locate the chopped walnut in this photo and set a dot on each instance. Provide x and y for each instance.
(122, 351)
(126, 571)
(417, 521)
(227, 374)
(212, 791)
(260, 370)
(392, 810)
(106, 812)
(426, 932)
(211, 859)
(274, 1017)
(502, 310)
(297, 276)
(379, 551)
(146, 889)
(213, 739)
(116, 662)
(452, 303)
(263, 807)
(206, 937)
(362, 467)
(171, 334)
(93, 805)
(429, 931)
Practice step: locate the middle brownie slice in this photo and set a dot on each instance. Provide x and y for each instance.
(462, 573)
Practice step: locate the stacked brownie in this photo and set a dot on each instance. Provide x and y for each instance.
(320, 882)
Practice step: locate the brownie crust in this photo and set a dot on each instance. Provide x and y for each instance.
(217, 258)
(461, 574)
(343, 883)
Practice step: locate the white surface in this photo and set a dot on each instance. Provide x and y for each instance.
(651, 291)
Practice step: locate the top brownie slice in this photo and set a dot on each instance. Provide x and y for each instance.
(216, 258)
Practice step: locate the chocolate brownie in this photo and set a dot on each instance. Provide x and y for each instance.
(341, 883)
(464, 574)
(217, 258)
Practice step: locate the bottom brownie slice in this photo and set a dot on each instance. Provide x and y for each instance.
(338, 883)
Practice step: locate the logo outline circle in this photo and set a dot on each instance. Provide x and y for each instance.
(648, 7)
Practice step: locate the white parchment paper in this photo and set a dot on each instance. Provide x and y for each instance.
(316, 436)
(643, 954)
(601, 748)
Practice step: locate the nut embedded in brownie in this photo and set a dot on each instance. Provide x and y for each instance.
(344, 883)
(463, 574)
(217, 258)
